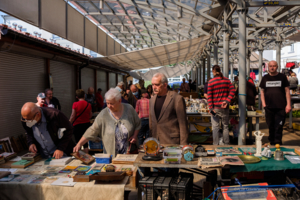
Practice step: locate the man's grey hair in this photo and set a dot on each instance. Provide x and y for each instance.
(120, 83)
(164, 79)
(113, 93)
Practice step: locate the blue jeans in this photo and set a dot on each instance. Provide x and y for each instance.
(144, 131)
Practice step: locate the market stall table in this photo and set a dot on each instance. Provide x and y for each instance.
(264, 165)
(257, 116)
(81, 190)
(293, 100)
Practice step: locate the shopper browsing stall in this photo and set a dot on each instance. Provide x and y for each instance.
(220, 92)
(276, 100)
(49, 131)
(142, 109)
(80, 117)
(167, 115)
(117, 125)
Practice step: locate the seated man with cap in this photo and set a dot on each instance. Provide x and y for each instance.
(49, 131)
(41, 100)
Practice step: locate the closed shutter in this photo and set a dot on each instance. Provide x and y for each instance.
(101, 81)
(112, 80)
(63, 76)
(21, 79)
(87, 78)
(120, 78)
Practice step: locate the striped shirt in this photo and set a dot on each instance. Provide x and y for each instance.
(219, 90)
(142, 108)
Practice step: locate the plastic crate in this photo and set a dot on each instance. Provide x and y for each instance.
(172, 156)
(103, 158)
(146, 185)
(162, 187)
(180, 188)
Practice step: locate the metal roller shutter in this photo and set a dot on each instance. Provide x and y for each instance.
(101, 81)
(21, 79)
(63, 76)
(87, 78)
(112, 80)
(120, 78)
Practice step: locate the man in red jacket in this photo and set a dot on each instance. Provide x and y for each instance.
(219, 93)
(99, 100)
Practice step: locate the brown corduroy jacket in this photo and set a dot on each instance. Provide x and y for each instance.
(171, 125)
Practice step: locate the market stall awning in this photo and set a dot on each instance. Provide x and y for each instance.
(156, 56)
(177, 70)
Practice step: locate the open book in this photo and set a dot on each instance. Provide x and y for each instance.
(125, 159)
(206, 162)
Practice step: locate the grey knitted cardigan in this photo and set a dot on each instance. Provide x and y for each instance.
(104, 127)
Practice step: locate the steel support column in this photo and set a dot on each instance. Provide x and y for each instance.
(278, 54)
(231, 60)
(248, 62)
(242, 73)
(203, 67)
(191, 77)
(260, 50)
(203, 73)
(226, 54)
(198, 77)
(231, 70)
(215, 45)
(208, 64)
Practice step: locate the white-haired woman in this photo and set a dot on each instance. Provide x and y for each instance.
(117, 125)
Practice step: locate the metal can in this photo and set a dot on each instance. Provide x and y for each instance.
(188, 152)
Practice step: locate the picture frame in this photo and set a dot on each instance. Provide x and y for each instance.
(3, 146)
(8, 144)
(84, 157)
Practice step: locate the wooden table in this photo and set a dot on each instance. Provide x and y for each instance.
(81, 190)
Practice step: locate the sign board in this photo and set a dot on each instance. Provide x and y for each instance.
(271, 3)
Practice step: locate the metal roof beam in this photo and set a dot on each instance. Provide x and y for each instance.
(164, 15)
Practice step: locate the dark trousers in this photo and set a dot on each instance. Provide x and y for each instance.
(144, 131)
(275, 119)
(79, 130)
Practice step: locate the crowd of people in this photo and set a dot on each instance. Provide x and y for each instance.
(129, 115)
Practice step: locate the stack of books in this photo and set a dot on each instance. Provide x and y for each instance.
(31, 157)
(7, 156)
(22, 163)
(58, 162)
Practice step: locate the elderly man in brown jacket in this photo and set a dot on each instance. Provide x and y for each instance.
(167, 115)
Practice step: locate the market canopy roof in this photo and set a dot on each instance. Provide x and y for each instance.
(156, 56)
(111, 27)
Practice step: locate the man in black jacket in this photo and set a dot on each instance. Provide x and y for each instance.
(50, 100)
(49, 131)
